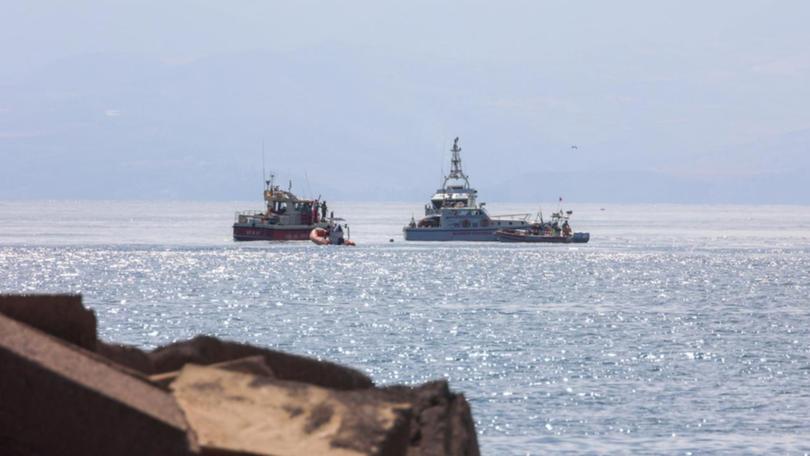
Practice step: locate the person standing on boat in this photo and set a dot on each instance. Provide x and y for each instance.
(323, 210)
(336, 235)
(566, 229)
(339, 235)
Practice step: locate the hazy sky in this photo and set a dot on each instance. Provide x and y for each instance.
(361, 99)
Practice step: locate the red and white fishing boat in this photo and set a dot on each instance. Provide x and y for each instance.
(287, 217)
(558, 231)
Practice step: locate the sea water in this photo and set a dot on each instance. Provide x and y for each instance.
(677, 329)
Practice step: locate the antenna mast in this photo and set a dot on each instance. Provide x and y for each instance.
(264, 173)
(455, 165)
(455, 170)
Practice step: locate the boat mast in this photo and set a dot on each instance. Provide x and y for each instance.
(455, 165)
(268, 192)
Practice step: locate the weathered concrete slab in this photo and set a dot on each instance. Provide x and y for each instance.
(126, 355)
(61, 316)
(254, 365)
(206, 350)
(441, 423)
(241, 412)
(59, 399)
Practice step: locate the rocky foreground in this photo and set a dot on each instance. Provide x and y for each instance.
(64, 392)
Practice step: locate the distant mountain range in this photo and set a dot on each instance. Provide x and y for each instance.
(116, 126)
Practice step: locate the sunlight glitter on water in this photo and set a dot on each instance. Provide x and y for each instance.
(632, 343)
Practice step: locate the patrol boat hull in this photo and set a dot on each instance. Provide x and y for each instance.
(471, 225)
(449, 234)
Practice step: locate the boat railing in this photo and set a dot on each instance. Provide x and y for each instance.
(523, 216)
(243, 216)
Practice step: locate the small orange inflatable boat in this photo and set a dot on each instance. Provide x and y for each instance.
(321, 236)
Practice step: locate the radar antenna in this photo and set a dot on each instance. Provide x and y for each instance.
(455, 165)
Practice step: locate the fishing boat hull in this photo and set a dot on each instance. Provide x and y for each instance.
(525, 236)
(262, 232)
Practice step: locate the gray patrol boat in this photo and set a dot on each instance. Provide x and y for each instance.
(454, 215)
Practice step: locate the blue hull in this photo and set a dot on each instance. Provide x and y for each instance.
(450, 234)
(519, 236)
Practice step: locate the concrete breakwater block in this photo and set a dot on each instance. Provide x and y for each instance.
(64, 392)
(126, 355)
(61, 316)
(208, 350)
(248, 413)
(250, 365)
(56, 398)
(441, 421)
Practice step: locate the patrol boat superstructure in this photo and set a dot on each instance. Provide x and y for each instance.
(453, 213)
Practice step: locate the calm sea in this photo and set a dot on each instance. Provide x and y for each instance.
(676, 330)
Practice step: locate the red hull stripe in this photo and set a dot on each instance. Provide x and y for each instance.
(260, 233)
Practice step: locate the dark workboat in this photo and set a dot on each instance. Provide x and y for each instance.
(287, 217)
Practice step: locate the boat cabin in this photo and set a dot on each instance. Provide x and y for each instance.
(455, 191)
(283, 208)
